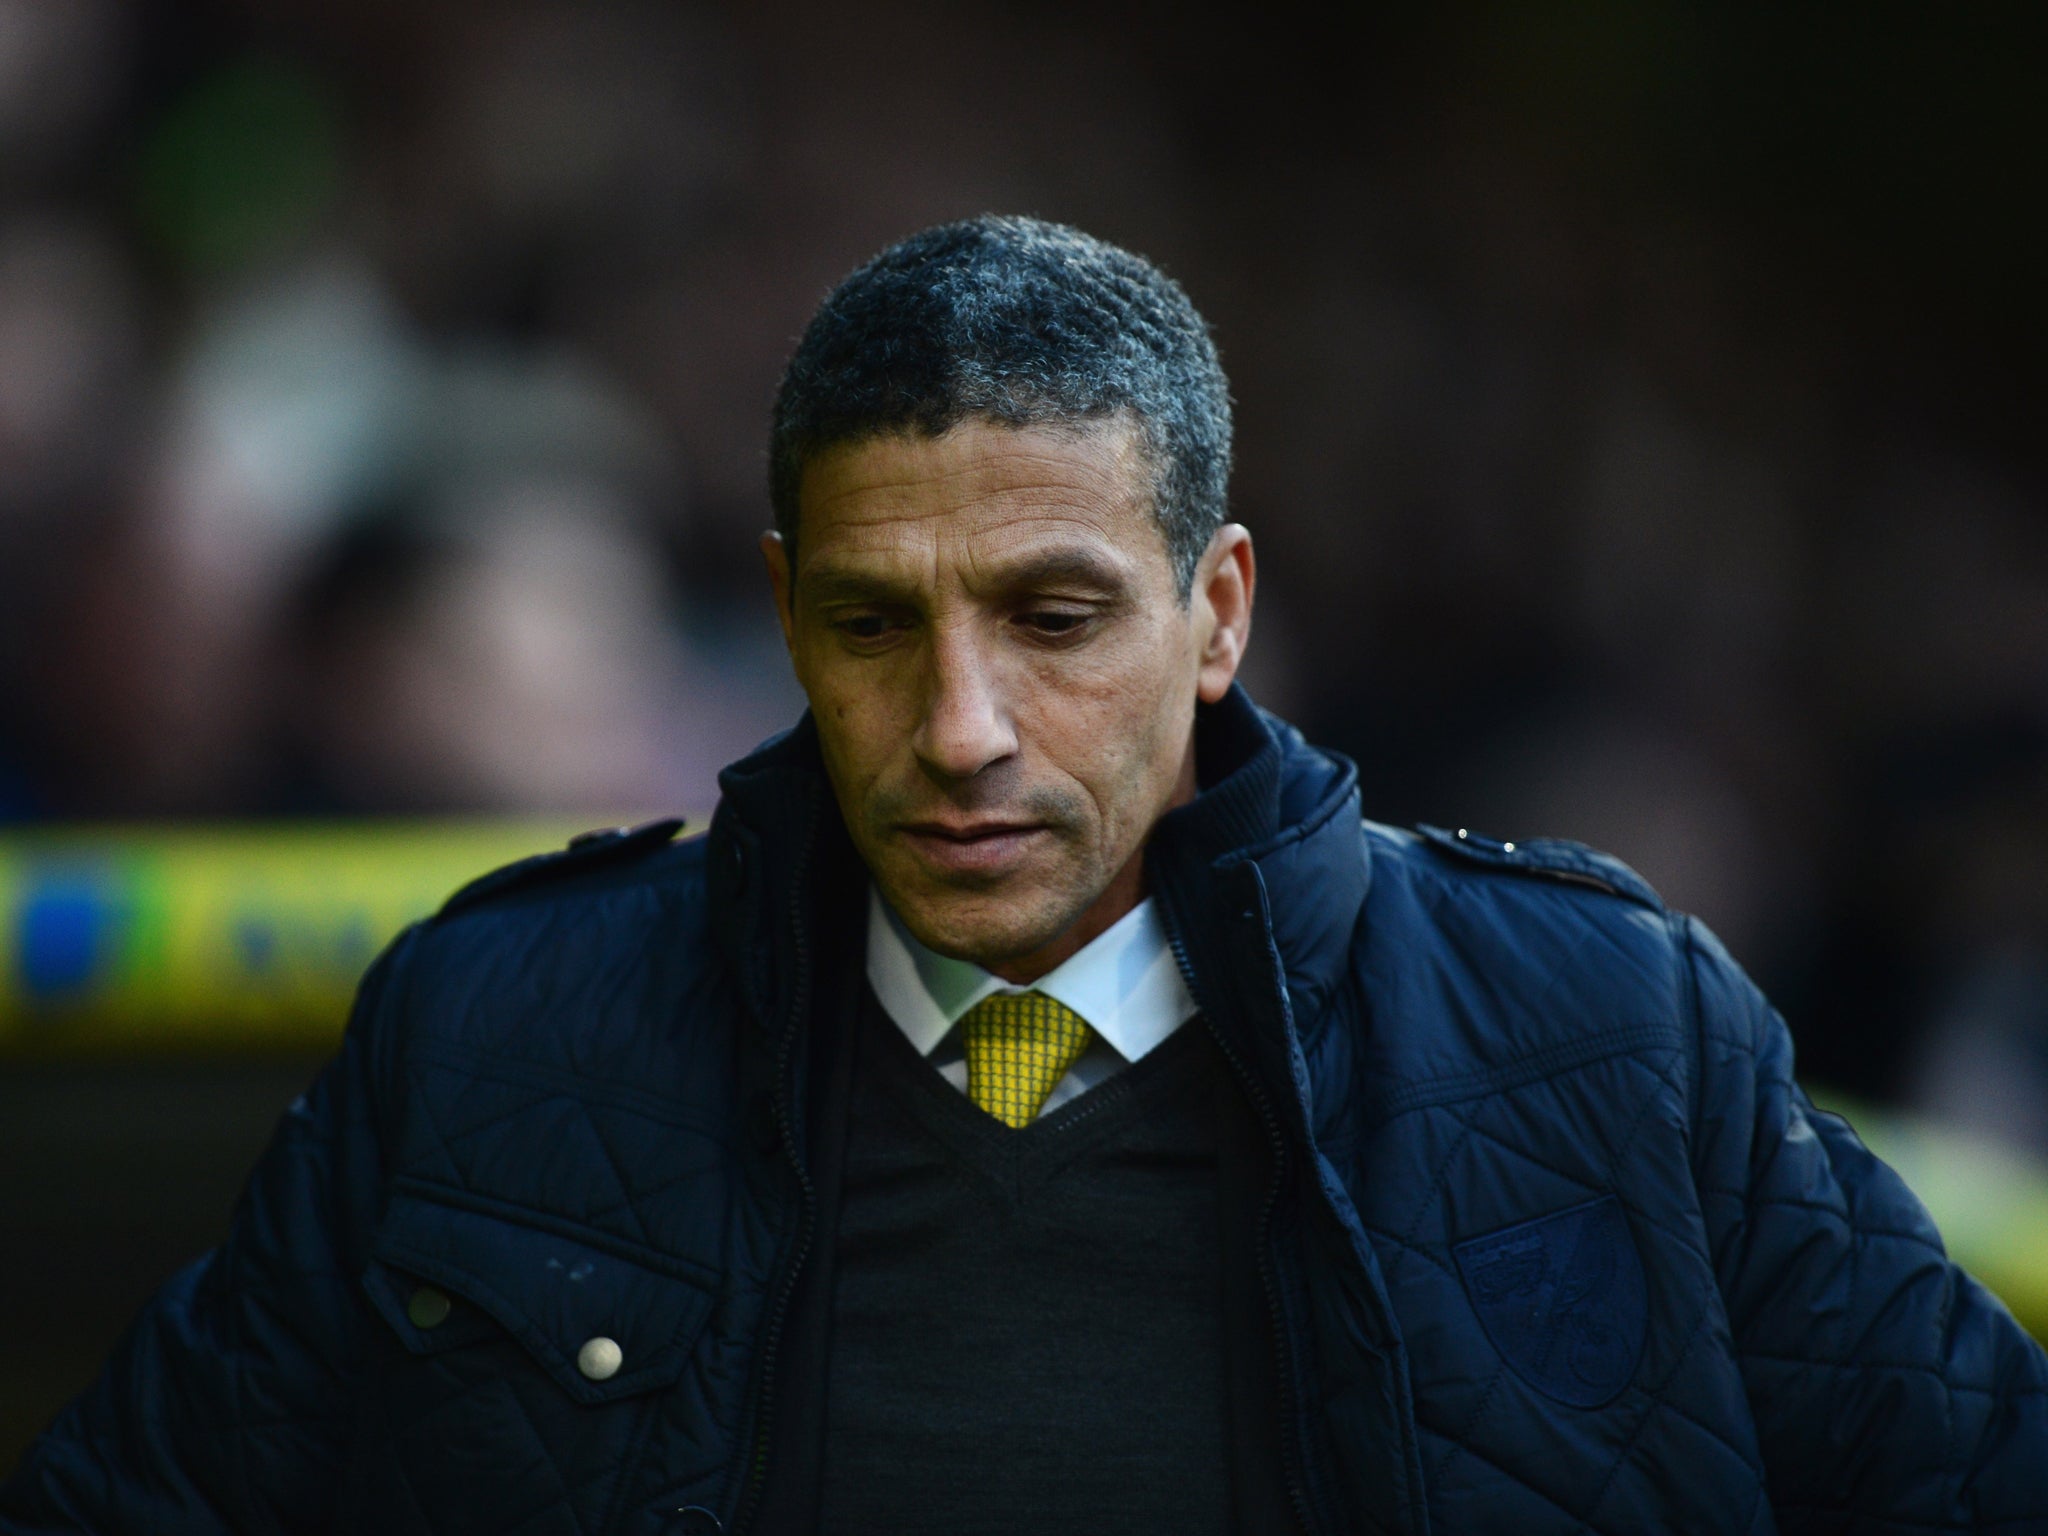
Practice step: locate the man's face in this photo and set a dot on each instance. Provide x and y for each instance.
(1003, 675)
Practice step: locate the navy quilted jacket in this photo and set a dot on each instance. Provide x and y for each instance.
(1553, 1242)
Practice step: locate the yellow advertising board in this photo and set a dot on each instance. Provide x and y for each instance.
(217, 937)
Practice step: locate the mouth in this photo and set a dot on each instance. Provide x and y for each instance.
(971, 848)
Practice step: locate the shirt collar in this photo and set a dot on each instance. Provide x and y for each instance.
(1124, 982)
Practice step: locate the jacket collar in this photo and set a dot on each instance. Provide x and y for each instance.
(1273, 842)
(1271, 856)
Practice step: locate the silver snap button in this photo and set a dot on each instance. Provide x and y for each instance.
(428, 1307)
(600, 1358)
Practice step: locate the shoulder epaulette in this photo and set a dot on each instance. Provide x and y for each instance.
(1547, 858)
(584, 851)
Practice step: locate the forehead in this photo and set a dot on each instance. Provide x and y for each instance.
(979, 486)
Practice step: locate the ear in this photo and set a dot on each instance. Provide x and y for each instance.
(1222, 597)
(775, 554)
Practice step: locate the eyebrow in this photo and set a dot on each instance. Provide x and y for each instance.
(833, 582)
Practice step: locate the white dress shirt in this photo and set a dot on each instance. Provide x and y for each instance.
(1123, 982)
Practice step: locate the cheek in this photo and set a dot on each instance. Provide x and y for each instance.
(852, 705)
(847, 729)
(1121, 725)
(856, 740)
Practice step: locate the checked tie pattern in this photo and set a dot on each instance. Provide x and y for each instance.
(1019, 1045)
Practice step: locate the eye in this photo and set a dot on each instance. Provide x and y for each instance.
(868, 628)
(1054, 623)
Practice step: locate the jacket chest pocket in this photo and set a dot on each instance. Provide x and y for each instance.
(510, 1372)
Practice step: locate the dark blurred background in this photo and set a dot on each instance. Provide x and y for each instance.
(1639, 417)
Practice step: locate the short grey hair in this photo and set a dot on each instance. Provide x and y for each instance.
(1023, 323)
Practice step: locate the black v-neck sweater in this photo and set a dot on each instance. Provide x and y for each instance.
(1027, 1325)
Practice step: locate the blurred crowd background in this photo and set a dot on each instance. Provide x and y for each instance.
(1639, 418)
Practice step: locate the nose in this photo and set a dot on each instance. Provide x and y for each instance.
(965, 726)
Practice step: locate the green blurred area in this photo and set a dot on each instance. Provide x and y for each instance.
(1990, 1201)
(242, 165)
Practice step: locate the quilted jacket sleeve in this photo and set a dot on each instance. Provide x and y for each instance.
(224, 1407)
(1891, 1392)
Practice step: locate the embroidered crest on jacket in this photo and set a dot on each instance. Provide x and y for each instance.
(1562, 1298)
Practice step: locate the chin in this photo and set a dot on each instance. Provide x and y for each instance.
(985, 929)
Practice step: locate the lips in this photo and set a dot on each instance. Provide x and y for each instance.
(973, 848)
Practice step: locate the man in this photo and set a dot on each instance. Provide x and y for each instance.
(1041, 1102)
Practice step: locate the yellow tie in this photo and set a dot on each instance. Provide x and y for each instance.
(1019, 1045)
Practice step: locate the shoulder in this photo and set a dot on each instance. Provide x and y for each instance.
(540, 926)
(1445, 871)
(1530, 940)
(1549, 861)
(604, 855)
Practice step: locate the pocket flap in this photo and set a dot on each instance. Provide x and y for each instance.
(553, 1294)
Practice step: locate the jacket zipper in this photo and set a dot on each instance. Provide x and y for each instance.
(1276, 1317)
(763, 1417)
